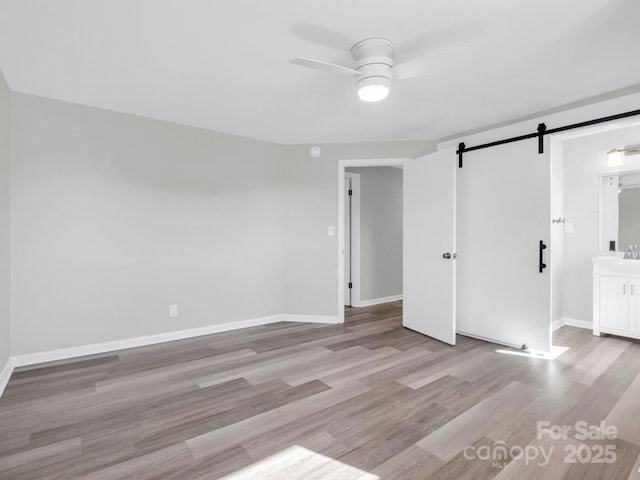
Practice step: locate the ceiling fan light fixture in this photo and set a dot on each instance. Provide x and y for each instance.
(614, 158)
(373, 89)
(374, 66)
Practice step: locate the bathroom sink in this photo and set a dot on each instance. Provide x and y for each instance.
(618, 264)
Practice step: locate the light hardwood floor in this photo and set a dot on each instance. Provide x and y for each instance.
(367, 399)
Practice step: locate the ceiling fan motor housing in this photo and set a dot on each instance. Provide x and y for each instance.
(374, 59)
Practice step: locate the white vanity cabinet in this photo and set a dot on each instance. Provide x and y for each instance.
(616, 296)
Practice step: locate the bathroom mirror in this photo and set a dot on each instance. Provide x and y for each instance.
(619, 210)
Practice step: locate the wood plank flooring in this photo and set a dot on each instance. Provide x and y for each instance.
(364, 400)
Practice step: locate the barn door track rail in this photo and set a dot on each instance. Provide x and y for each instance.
(540, 133)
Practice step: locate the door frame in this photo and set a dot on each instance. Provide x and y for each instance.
(342, 165)
(355, 237)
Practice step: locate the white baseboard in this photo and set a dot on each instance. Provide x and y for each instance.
(572, 322)
(105, 347)
(5, 374)
(97, 348)
(292, 317)
(378, 301)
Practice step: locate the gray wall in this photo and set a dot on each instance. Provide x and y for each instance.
(380, 231)
(585, 159)
(5, 323)
(311, 266)
(114, 217)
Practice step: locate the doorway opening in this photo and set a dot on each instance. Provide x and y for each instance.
(588, 234)
(428, 241)
(373, 235)
(349, 233)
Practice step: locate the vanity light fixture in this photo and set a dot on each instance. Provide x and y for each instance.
(614, 158)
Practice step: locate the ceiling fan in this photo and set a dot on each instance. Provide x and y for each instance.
(375, 67)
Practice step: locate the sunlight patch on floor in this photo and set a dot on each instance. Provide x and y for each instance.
(532, 353)
(299, 463)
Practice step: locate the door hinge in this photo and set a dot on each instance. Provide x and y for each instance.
(350, 285)
(350, 192)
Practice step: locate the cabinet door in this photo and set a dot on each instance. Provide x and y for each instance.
(634, 305)
(614, 302)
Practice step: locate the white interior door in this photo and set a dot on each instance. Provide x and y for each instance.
(347, 242)
(429, 305)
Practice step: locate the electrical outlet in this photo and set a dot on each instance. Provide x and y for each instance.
(173, 310)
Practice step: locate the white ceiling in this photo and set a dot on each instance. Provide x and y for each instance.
(223, 65)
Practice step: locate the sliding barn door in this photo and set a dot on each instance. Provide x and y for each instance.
(429, 271)
(504, 203)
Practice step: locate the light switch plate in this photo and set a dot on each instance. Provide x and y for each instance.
(173, 310)
(331, 231)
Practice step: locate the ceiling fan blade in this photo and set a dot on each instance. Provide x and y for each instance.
(324, 66)
(443, 36)
(433, 64)
(322, 36)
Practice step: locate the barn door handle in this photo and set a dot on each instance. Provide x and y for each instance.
(542, 265)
